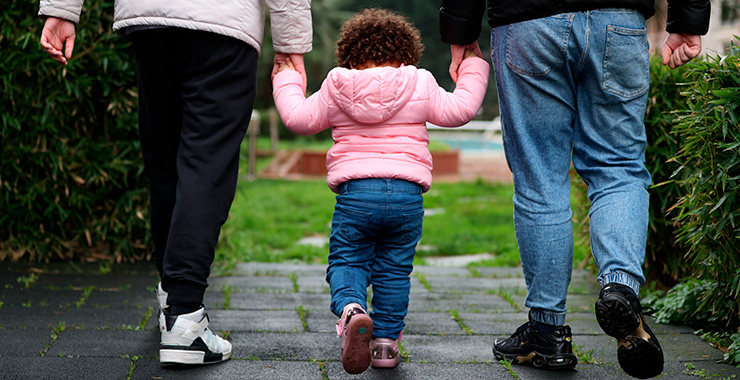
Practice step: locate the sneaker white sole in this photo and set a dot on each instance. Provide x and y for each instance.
(174, 356)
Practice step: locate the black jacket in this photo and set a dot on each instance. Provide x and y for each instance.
(460, 20)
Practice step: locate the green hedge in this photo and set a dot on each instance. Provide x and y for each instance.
(709, 174)
(695, 207)
(663, 254)
(71, 179)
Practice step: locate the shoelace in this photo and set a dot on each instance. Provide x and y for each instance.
(521, 329)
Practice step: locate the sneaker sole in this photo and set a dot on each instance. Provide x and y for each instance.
(640, 358)
(616, 317)
(637, 355)
(356, 355)
(184, 356)
(537, 360)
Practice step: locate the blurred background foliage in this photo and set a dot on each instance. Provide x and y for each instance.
(71, 179)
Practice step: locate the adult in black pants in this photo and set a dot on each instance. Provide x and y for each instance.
(196, 65)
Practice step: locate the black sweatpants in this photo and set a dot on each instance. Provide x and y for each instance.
(196, 93)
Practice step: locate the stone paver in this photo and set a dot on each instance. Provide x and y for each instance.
(72, 322)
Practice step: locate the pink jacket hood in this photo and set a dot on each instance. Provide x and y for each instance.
(372, 95)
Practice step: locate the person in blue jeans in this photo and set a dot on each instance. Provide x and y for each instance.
(377, 104)
(572, 78)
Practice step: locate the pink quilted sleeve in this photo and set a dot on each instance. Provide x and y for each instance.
(460, 106)
(301, 115)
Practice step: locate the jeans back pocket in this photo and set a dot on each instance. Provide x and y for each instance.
(412, 226)
(626, 62)
(537, 47)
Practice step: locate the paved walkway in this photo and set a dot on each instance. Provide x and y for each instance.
(58, 324)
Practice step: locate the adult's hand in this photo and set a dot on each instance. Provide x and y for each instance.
(58, 39)
(680, 48)
(457, 53)
(296, 60)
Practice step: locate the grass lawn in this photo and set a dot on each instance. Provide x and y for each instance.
(269, 217)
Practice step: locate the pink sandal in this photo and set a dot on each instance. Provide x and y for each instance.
(385, 352)
(356, 329)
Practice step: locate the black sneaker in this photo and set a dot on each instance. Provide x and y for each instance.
(619, 313)
(529, 345)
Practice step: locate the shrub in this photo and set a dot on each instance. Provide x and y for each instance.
(732, 355)
(709, 173)
(664, 257)
(71, 179)
(682, 304)
(727, 342)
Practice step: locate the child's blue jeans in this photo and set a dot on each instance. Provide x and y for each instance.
(374, 232)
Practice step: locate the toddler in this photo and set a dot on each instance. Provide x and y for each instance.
(377, 103)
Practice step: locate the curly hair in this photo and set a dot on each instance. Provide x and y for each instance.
(378, 36)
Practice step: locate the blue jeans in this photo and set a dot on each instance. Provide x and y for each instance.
(573, 88)
(374, 232)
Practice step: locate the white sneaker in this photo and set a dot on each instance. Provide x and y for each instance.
(186, 339)
(162, 299)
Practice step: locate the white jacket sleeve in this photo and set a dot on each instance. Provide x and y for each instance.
(65, 9)
(291, 26)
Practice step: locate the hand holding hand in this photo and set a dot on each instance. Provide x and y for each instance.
(460, 52)
(285, 65)
(292, 62)
(472, 52)
(58, 34)
(680, 48)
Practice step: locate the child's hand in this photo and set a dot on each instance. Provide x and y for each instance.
(459, 53)
(472, 51)
(284, 64)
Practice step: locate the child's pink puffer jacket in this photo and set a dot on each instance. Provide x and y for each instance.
(378, 117)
